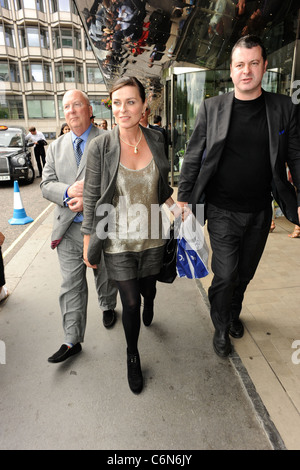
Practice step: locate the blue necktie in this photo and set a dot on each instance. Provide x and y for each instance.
(78, 155)
(77, 149)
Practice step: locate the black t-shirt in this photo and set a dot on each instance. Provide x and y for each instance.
(242, 182)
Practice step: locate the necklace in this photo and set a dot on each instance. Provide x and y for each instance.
(136, 145)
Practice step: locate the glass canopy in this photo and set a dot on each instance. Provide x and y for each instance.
(143, 38)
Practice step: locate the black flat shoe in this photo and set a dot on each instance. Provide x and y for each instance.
(221, 343)
(134, 373)
(109, 318)
(148, 314)
(65, 352)
(236, 329)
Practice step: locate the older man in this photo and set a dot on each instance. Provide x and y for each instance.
(62, 184)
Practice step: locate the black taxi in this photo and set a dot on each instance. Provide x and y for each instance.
(15, 155)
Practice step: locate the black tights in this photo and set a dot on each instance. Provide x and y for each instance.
(130, 293)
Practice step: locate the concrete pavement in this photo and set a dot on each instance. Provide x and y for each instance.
(192, 399)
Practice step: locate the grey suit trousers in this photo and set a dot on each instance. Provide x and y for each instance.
(73, 296)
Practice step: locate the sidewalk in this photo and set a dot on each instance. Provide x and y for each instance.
(271, 315)
(192, 399)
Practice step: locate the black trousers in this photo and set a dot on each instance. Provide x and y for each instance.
(237, 241)
(40, 157)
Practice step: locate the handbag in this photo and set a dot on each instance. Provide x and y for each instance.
(168, 271)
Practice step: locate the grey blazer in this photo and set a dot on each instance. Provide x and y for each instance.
(59, 173)
(100, 180)
(208, 139)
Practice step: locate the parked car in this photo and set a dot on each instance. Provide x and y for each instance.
(15, 155)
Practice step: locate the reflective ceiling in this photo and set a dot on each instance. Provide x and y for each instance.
(142, 38)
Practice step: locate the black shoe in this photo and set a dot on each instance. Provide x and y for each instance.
(65, 352)
(148, 315)
(109, 318)
(134, 373)
(236, 329)
(221, 343)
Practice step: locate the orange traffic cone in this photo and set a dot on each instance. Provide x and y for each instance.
(19, 216)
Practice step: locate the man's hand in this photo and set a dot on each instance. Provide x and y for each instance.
(76, 189)
(75, 204)
(75, 193)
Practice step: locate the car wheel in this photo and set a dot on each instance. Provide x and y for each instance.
(30, 175)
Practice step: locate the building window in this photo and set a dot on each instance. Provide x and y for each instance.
(11, 108)
(4, 72)
(64, 5)
(7, 36)
(99, 110)
(40, 6)
(40, 108)
(5, 4)
(9, 72)
(30, 4)
(44, 36)
(69, 73)
(65, 73)
(59, 5)
(94, 75)
(48, 73)
(66, 38)
(22, 38)
(33, 37)
(53, 6)
(79, 74)
(37, 73)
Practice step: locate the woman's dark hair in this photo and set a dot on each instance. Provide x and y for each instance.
(62, 128)
(129, 81)
(250, 41)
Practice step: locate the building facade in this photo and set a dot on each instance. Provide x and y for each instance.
(44, 52)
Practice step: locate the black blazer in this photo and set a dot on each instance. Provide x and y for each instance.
(208, 139)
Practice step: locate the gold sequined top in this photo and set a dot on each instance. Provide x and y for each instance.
(138, 219)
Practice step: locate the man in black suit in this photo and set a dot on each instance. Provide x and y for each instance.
(157, 126)
(236, 161)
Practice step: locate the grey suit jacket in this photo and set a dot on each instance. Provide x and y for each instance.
(208, 139)
(100, 180)
(59, 173)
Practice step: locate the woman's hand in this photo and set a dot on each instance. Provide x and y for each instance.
(86, 241)
(180, 209)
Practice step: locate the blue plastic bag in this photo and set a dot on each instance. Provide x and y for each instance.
(192, 250)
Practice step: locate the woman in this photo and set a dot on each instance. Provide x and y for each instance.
(64, 129)
(125, 166)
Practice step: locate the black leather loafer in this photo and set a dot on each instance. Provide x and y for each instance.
(221, 343)
(236, 329)
(64, 353)
(109, 318)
